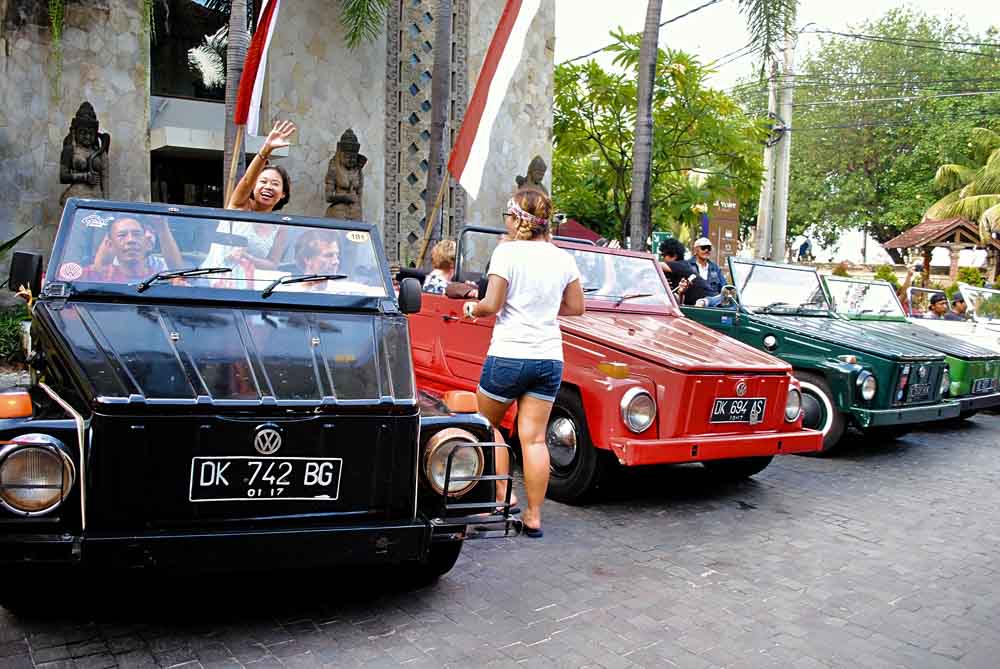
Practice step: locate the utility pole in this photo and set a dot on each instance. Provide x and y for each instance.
(766, 195)
(779, 226)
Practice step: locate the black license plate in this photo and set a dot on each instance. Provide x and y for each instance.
(919, 391)
(738, 410)
(982, 385)
(248, 478)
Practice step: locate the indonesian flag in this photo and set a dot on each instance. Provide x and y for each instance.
(472, 147)
(252, 81)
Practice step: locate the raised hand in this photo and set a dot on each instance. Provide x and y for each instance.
(278, 137)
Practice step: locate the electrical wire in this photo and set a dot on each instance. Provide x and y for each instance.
(898, 42)
(911, 122)
(667, 22)
(912, 39)
(901, 98)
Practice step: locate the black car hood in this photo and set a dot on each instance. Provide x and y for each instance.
(220, 355)
(850, 334)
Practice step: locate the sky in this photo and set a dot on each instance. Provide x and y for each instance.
(583, 25)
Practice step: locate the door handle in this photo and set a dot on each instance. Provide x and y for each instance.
(449, 318)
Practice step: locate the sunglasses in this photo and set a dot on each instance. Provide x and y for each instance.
(705, 248)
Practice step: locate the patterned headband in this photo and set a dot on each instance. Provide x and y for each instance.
(512, 208)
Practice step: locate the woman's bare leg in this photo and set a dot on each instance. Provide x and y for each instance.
(532, 420)
(494, 412)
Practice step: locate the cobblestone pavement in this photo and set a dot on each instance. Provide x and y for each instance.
(885, 556)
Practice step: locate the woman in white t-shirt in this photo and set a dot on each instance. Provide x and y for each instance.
(531, 282)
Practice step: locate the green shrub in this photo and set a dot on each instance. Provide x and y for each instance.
(10, 333)
(886, 273)
(840, 270)
(971, 276)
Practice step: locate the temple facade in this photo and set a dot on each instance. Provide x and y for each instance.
(156, 84)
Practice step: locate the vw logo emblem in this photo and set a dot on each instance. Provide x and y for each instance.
(267, 441)
(741, 389)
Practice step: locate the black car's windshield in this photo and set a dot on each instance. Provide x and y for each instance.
(106, 247)
(779, 289)
(864, 298)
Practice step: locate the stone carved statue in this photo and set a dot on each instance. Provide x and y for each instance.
(344, 181)
(84, 161)
(536, 172)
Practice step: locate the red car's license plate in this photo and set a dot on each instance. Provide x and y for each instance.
(249, 478)
(738, 410)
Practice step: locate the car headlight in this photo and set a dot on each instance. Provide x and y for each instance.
(770, 342)
(467, 463)
(638, 409)
(36, 475)
(945, 382)
(867, 385)
(793, 405)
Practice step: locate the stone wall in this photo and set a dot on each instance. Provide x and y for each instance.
(100, 46)
(523, 127)
(326, 88)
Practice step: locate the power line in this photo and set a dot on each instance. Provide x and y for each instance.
(912, 122)
(913, 39)
(901, 98)
(667, 22)
(887, 40)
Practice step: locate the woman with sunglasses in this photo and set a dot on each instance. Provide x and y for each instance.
(530, 283)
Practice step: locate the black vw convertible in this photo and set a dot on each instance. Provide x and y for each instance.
(223, 389)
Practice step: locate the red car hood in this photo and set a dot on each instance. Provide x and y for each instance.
(673, 341)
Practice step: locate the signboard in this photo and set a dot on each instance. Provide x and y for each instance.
(658, 237)
(724, 230)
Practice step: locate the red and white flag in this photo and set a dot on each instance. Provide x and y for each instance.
(472, 147)
(252, 80)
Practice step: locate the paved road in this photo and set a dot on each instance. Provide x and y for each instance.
(886, 556)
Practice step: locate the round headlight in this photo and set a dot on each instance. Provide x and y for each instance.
(867, 384)
(35, 479)
(467, 463)
(770, 342)
(793, 405)
(945, 382)
(638, 409)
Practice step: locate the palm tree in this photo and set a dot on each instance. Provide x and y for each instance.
(642, 153)
(974, 191)
(768, 22)
(440, 103)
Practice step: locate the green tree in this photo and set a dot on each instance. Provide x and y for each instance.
(871, 127)
(974, 189)
(703, 146)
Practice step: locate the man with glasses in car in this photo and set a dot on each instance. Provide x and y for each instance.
(703, 266)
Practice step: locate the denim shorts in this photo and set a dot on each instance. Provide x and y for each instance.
(506, 379)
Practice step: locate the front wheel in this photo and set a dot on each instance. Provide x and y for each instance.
(819, 409)
(737, 469)
(575, 465)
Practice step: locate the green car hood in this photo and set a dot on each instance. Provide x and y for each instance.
(849, 334)
(936, 341)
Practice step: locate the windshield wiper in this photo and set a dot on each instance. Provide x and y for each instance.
(631, 296)
(300, 278)
(178, 273)
(590, 290)
(773, 305)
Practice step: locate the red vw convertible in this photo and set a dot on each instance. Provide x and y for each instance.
(641, 384)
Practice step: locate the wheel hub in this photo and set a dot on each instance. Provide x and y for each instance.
(560, 437)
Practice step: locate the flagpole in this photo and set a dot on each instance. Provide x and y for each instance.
(230, 185)
(430, 219)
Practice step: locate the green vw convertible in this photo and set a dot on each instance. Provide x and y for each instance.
(851, 375)
(975, 371)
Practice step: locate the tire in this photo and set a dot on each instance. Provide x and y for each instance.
(31, 591)
(820, 409)
(575, 465)
(442, 557)
(737, 469)
(887, 432)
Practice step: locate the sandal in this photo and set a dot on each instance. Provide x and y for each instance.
(532, 532)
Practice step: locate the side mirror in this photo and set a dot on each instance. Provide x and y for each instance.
(25, 270)
(410, 295)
